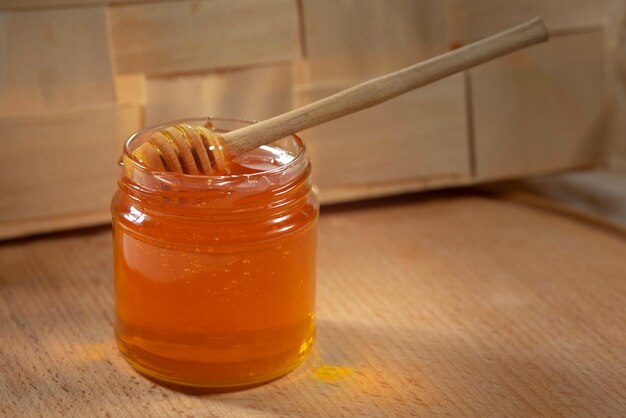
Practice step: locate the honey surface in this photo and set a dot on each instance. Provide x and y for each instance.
(216, 303)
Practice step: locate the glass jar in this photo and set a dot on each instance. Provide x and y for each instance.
(215, 275)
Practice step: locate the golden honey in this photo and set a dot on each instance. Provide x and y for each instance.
(215, 275)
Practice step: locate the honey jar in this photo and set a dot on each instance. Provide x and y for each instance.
(215, 275)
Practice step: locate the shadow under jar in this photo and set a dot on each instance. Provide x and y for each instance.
(215, 275)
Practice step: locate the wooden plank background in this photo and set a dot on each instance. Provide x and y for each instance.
(470, 20)
(249, 93)
(356, 40)
(51, 60)
(440, 305)
(418, 137)
(46, 4)
(162, 38)
(46, 180)
(539, 111)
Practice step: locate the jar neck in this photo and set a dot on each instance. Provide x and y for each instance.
(284, 183)
(219, 198)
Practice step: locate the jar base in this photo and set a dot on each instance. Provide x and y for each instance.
(201, 389)
(215, 386)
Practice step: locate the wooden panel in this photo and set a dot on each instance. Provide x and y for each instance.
(130, 89)
(191, 35)
(355, 39)
(540, 110)
(54, 59)
(34, 4)
(253, 93)
(59, 170)
(616, 48)
(415, 141)
(444, 305)
(334, 194)
(469, 20)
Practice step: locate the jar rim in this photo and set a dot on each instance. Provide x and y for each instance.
(170, 176)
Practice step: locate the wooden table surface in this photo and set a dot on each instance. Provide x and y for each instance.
(444, 304)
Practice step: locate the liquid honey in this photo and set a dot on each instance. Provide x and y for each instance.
(215, 280)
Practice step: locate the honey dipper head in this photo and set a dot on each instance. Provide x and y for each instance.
(183, 149)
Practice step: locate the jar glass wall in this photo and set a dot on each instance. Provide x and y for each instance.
(215, 275)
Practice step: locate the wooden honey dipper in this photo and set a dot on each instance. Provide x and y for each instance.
(197, 150)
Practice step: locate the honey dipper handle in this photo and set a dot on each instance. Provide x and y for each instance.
(383, 88)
